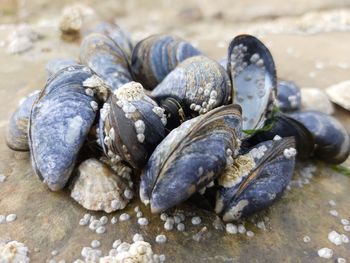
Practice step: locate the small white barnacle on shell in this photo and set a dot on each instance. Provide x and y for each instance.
(96, 187)
(131, 91)
(13, 251)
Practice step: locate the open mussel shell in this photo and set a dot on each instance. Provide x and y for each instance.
(255, 179)
(131, 125)
(198, 84)
(121, 37)
(191, 157)
(96, 187)
(253, 75)
(106, 59)
(288, 96)
(156, 56)
(59, 123)
(17, 129)
(284, 126)
(332, 142)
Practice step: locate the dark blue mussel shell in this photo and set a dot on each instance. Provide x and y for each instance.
(156, 56)
(191, 157)
(59, 123)
(255, 179)
(288, 96)
(17, 130)
(106, 59)
(332, 142)
(55, 65)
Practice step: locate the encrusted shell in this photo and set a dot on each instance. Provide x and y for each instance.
(106, 59)
(253, 75)
(255, 179)
(288, 96)
(199, 84)
(59, 123)
(332, 142)
(98, 188)
(17, 129)
(156, 56)
(131, 125)
(191, 157)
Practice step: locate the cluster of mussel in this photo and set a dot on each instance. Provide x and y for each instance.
(188, 124)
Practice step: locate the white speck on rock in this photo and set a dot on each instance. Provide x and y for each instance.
(325, 253)
(344, 221)
(335, 238)
(306, 239)
(231, 228)
(137, 237)
(334, 213)
(142, 221)
(241, 229)
(196, 220)
(250, 233)
(95, 243)
(100, 230)
(161, 239)
(124, 217)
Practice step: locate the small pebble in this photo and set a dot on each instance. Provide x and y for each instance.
(250, 233)
(241, 229)
(100, 230)
(334, 213)
(137, 237)
(231, 228)
(325, 253)
(139, 214)
(180, 227)
(341, 260)
(124, 217)
(332, 203)
(161, 239)
(95, 243)
(114, 220)
(2, 178)
(142, 221)
(344, 221)
(104, 220)
(11, 218)
(306, 239)
(196, 220)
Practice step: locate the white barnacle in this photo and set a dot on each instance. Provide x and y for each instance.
(325, 253)
(95, 243)
(114, 220)
(11, 217)
(116, 243)
(128, 194)
(140, 126)
(124, 217)
(231, 228)
(89, 92)
(196, 220)
(192, 106)
(13, 251)
(111, 134)
(254, 58)
(105, 111)
(160, 239)
(142, 221)
(213, 94)
(104, 220)
(131, 91)
(137, 237)
(100, 230)
(94, 105)
(140, 137)
(277, 138)
(180, 227)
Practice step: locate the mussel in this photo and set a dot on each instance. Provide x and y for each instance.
(199, 84)
(253, 75)
(56, 65)
(106, 59)
(281, 125)
(17, 129)
(131, 125)
(118, 35)
(191, 157)
(288, 96)
(59, 123)
(255, 179)
(332, 142)
(156, 56)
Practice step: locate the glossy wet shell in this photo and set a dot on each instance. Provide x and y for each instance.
(288, 96)
(96, 187)
(17, 129)
(121, 37)
(156, 56)
(131, 126)
(283, 126)
(253, 75)
(255, 180)
(332, 142)
(190, 157)
(199, 84)
(106, 59)
(60, 121)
